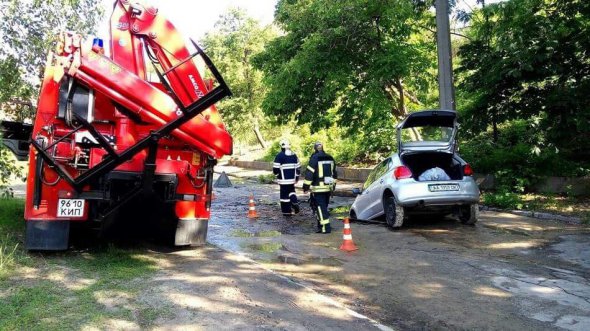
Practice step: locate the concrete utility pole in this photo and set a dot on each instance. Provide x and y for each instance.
(446, 89)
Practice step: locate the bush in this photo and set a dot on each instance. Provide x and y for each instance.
(346, 149)
(9, 168)
(503, 199)
(519, 158)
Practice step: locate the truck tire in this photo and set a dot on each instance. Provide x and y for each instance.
(469, 214)
(394, 213)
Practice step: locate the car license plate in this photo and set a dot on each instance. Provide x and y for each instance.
(70, 207)
(443, 187)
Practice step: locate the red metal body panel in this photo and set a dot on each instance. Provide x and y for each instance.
(121, 104)
(150, 103)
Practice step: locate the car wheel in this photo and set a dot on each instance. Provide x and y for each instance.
(352, 215)
(394, 214)
(469, 214)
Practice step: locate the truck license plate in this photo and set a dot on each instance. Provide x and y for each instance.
(70, 207)
(443, 187)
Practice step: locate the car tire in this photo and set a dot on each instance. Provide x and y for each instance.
(352, 215)
(394, 213)
(469, 214)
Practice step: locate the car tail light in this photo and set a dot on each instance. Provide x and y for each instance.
(402, 172)
(467, 170)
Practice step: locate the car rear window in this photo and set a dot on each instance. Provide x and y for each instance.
(427, 133)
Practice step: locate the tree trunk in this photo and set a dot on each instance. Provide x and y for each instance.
(495, 127)
(258, 134)
(401, 101)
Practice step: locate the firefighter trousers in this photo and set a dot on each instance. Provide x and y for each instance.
(322, 214)
(289, 202)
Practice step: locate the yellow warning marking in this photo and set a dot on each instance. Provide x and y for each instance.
(196, 159)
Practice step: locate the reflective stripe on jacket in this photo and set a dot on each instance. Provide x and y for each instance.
(286, 168)
(320, 170)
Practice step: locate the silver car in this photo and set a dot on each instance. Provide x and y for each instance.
(425, 176)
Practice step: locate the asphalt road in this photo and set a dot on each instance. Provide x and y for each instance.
(506, 273)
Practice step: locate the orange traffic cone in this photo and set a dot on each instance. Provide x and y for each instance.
(347, 245)
(252, 208)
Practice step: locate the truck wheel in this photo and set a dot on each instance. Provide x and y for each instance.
(394, 213)
(469, 214)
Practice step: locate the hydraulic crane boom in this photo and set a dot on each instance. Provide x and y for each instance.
(105, 136)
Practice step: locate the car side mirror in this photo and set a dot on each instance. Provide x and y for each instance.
(356, 191)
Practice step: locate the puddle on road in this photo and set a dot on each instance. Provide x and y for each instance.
(267, 234)
(261, 234)
(241, 234)
(325, 261)
(270, 247)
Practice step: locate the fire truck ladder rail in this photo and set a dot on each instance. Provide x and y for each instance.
(110, 162)
(113, 160)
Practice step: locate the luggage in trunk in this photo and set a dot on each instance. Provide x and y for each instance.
(421, 161)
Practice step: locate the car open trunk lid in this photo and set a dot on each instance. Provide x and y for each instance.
(428, 130)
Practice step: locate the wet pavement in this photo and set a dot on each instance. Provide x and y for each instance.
(506, 273)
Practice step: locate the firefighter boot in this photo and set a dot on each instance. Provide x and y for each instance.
(295, 207)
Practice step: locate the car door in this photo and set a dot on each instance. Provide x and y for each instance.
(362, 202)
(375, 205)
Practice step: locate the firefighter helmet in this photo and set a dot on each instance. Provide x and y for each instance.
(318, 146)
(285, 144)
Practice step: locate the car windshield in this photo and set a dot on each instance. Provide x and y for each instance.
(427, 133)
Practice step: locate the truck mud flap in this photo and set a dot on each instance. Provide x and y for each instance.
(191, 232)
(47, 235)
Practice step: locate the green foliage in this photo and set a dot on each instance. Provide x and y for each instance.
(357, 64)
(528, 59)
(26, 39)
(231, 46)
(28, 29)
(502, 199)
(519, 157)
(8, 169)
(11, 224)
(346, 150)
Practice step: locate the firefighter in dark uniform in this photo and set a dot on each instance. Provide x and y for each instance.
(320, 178)
(286, 169)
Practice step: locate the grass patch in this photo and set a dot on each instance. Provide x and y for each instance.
(269, 247)
(340, 210)
(564, 205)
(268, 234)
(241, 234)
(111, 263)
(69, 290)
(266, 179)
(11, 235)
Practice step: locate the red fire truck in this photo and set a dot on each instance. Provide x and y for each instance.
(109, 145)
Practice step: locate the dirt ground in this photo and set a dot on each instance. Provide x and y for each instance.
(506, 273)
